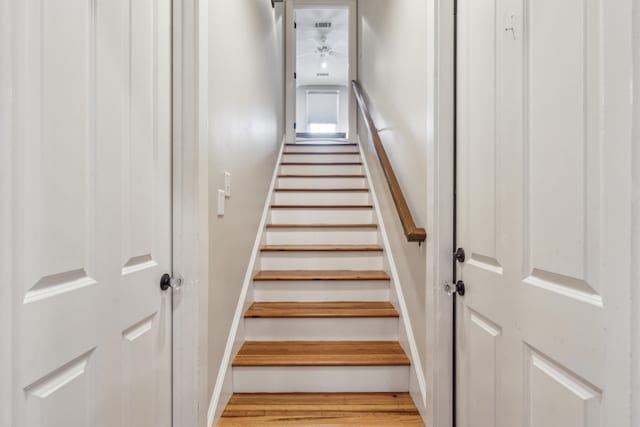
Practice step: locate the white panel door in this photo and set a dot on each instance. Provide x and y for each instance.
(90, 213)
(541, 330)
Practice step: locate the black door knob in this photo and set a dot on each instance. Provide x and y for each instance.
(165, 282)
(461, 289)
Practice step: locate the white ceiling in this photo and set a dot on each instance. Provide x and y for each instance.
(310, 41)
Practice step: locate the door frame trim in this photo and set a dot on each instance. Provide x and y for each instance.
(440, 193)
(635, 309)
(290, 61)
(454, 237)
(6, 189)
(190, 235)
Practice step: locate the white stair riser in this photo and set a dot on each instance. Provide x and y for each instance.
(321, 216)
(321, 183)
(321, 261)
(322, 290)
(321, 158)
(321, 169)
(321, 236)
(306, 148)
(325, 329)
(325, 379)
(321, 198)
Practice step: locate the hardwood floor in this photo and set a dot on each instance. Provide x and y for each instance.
(325, 153)
(321, 163)
(321, 226)
(321, 353)
(321, 190)
(319, 176)
(292, 275)
(321, 409)
(274, 206)
(327, 309)
(327, 144)
(321, 248)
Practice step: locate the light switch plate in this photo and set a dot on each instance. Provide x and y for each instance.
(227, 184)
(221, 199)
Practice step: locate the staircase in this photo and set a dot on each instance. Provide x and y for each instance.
(321, 335)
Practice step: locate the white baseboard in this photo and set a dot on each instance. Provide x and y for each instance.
(223, 388)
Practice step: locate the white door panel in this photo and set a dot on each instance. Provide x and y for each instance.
(535, 340)
(91, 213)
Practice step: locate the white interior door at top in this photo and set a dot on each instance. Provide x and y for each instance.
(91, 213)
(541, 215)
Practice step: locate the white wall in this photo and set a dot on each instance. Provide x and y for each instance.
(392, 36)
(406, 69)
(246, 126)
(301, 106)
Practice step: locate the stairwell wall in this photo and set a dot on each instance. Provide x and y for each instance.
(405, 66)
(392, 66)
(246, 127)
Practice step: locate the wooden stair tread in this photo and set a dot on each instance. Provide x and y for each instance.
(321, 248)
(321, 190)
(347, 275)
(322, 176)
(396, 402)
(322, 144)
(328, 226)
(315, 409)
(278, 206)
(321, 353)
(320, 163)
(320, 309)
(321, 153)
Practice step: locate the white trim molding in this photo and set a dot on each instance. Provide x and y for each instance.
(190, 211)
(440, 214)
(6, 195)
(618, 50)
(635, 226)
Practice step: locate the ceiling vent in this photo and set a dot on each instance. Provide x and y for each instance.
(322, 74)
(323, 24)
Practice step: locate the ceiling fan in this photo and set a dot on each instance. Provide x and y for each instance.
(322, 49)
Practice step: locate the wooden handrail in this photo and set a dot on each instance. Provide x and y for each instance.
(411, 231)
